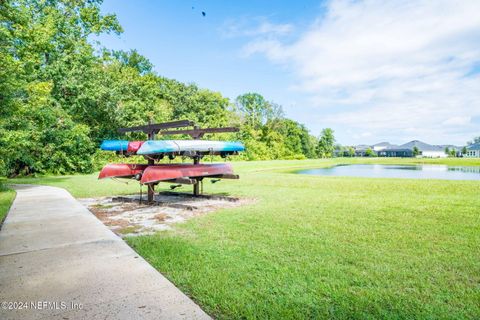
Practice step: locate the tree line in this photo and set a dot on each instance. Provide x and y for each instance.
(60, 95)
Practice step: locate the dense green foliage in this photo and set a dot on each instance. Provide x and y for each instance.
(60, 95)
(46, 64)
(268, 134)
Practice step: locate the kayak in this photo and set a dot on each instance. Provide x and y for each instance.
(122, 170)
(163, 172)
(121, 145)
(114, 145)
(189, 146)
(133, 146)
(159, 173)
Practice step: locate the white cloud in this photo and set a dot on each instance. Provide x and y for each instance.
(457, 121)
(389, 67)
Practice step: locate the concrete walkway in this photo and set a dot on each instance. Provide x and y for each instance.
(58, 261)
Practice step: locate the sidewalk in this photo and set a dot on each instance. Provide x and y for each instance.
(62, 263)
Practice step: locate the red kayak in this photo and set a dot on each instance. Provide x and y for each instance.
(163, 172)
(133, 146)
(159, 173)
(121, 170)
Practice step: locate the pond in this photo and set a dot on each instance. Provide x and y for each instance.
(399, 171)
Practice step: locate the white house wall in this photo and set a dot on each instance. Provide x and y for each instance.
(434, 154)
(473, 154)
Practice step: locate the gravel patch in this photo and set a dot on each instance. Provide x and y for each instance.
(134, 218)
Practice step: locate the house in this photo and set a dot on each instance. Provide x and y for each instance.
(473, 151)
(426, 150)
(396, 151)
(419, 148)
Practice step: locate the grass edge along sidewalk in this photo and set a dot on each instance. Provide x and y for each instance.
(7, 196)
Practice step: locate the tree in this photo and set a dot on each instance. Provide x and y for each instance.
(370, 153)
(41, 137)
(447, 150)
(326, 143)
(256, 110)
(351, 151)
(45, 65)
(339, 150)
(134, 60)
(474, 141)
(464, 150)
(296, 138)
(416, 151)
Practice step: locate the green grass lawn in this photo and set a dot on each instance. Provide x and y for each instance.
(322, 247)
(6, 197)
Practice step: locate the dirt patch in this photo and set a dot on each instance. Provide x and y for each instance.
(134, 218)
(161, 217)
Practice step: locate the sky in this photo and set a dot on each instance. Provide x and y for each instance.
(371, 70)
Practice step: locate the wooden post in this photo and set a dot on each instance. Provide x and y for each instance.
(196, 160)
(151, 162)
(151, 187)
(196, 186)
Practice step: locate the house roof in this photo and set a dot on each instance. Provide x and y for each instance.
(422, 146)
(450, 146)
(475, 146)
(382, 144)
(362, 147)
(396, 149)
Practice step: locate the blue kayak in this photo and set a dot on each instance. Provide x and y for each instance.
(114, 145)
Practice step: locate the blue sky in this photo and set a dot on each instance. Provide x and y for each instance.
(371, 70)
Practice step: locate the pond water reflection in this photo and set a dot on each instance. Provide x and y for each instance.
(399, 171)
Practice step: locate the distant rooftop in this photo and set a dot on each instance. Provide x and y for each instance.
(422, 146)
(450, 146)
(362, 147)
(475, 146)
(382, 144)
